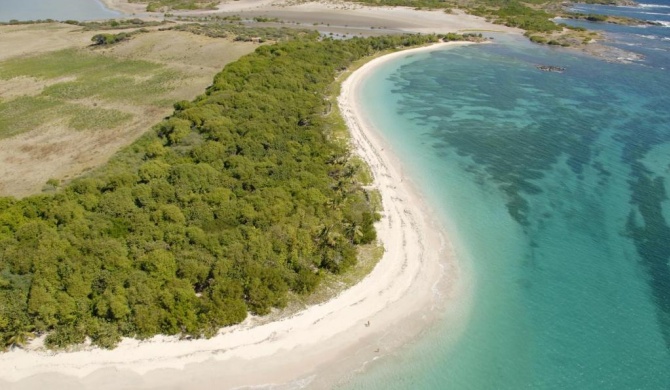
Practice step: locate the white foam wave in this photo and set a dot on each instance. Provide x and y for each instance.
(647, 36)
(653, 5)
(662, 23)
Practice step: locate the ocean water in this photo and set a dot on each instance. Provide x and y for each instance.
(554, 188)
(55, 9)
(652, 42)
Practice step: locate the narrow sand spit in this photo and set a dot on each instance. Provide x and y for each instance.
(416, 282)
(128, 8)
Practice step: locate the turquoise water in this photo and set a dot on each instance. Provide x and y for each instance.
(54, 9)
(553, 188)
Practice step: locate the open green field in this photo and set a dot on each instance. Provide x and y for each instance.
(78, 85)
(25, 113)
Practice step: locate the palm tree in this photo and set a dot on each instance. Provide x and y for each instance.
(20, 337)
(353, 230)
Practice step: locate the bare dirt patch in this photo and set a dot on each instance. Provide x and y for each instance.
(21, 86)
(29, 39)
(53, 150)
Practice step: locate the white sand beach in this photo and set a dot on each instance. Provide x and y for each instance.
(417, 281)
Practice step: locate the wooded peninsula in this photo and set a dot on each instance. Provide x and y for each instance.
(238, 198)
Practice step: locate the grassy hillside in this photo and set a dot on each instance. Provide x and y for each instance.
(66, 107)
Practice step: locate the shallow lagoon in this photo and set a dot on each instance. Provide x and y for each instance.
(553, 189)
(54, 9)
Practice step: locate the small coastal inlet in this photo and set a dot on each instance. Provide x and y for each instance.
(553, 187)
(55, 9)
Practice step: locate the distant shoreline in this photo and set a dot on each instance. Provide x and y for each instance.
(400, 298)
(351, 18)
(123, 6)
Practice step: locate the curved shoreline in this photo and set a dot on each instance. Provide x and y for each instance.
(410, 287)
(123, 6)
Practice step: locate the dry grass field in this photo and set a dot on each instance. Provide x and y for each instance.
(66, 107)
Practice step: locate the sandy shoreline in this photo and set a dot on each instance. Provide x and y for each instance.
(124, 6)
(400, 298)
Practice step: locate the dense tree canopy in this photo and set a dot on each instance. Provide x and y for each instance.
(238, 198)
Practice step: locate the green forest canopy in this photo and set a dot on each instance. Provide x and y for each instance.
(238, 198)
